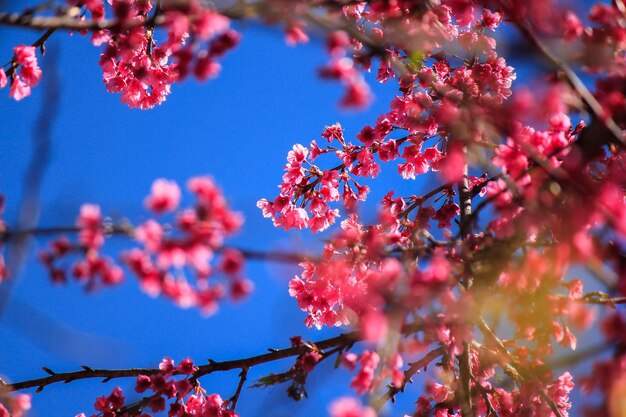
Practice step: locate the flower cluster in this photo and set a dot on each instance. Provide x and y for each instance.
(25, 72)
(440, 107)
(508, 403)
(166, 252)
(173, 385)
(14, 405)
(554, 193)
(92, 269)
(142, 70)
(547, 164)
(298, 373)
(197, 236)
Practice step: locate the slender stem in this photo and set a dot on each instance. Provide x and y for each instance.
(242, 379)
(39, 43)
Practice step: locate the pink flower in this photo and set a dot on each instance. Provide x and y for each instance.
(295, 218)
(186, 367)
(337, 42)
(232, 261)
(362, 382)
(348, 360)
(164, 196)
(25, 55)
(266, 207)
(333, 132)
(90, 223)
(357, 95)
(446, 213)
(142, 383)
(150, 234)
(19, 89)
(167, 365)
(438, 391)
(374, 326)
(294, 34)
(240, 288)
(491, 19)
(209, 24)
(367, 135)
(3, 78)
(206, 68)
(350, 407)
(31, 74)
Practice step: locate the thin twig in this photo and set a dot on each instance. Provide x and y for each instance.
(592, 105)
(242, 379)
(409, 373)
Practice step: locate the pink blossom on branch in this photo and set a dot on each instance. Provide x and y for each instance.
(524, 186)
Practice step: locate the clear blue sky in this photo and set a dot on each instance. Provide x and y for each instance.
(237, 128)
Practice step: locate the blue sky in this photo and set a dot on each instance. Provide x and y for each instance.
(238, 129)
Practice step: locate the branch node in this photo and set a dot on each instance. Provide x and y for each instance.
(48, 371)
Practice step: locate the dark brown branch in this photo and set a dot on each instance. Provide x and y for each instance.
(591, 104)
(555, 409)
(242, 379)
(345, 339)
(491, 411)
(420, 200)
(409, 373)
(465, 228)
(604, 301)
(509, 365)
(127, 230)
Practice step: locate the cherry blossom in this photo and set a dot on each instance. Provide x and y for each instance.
(475, 277)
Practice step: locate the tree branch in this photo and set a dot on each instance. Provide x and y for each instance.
(242, 379)
(465, 227)
(345, 339)
(413, 369)
(591, 104)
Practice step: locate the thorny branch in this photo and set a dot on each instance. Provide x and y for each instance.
(345, 339)
(409, 373)
(242, 379)
(592, 105)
